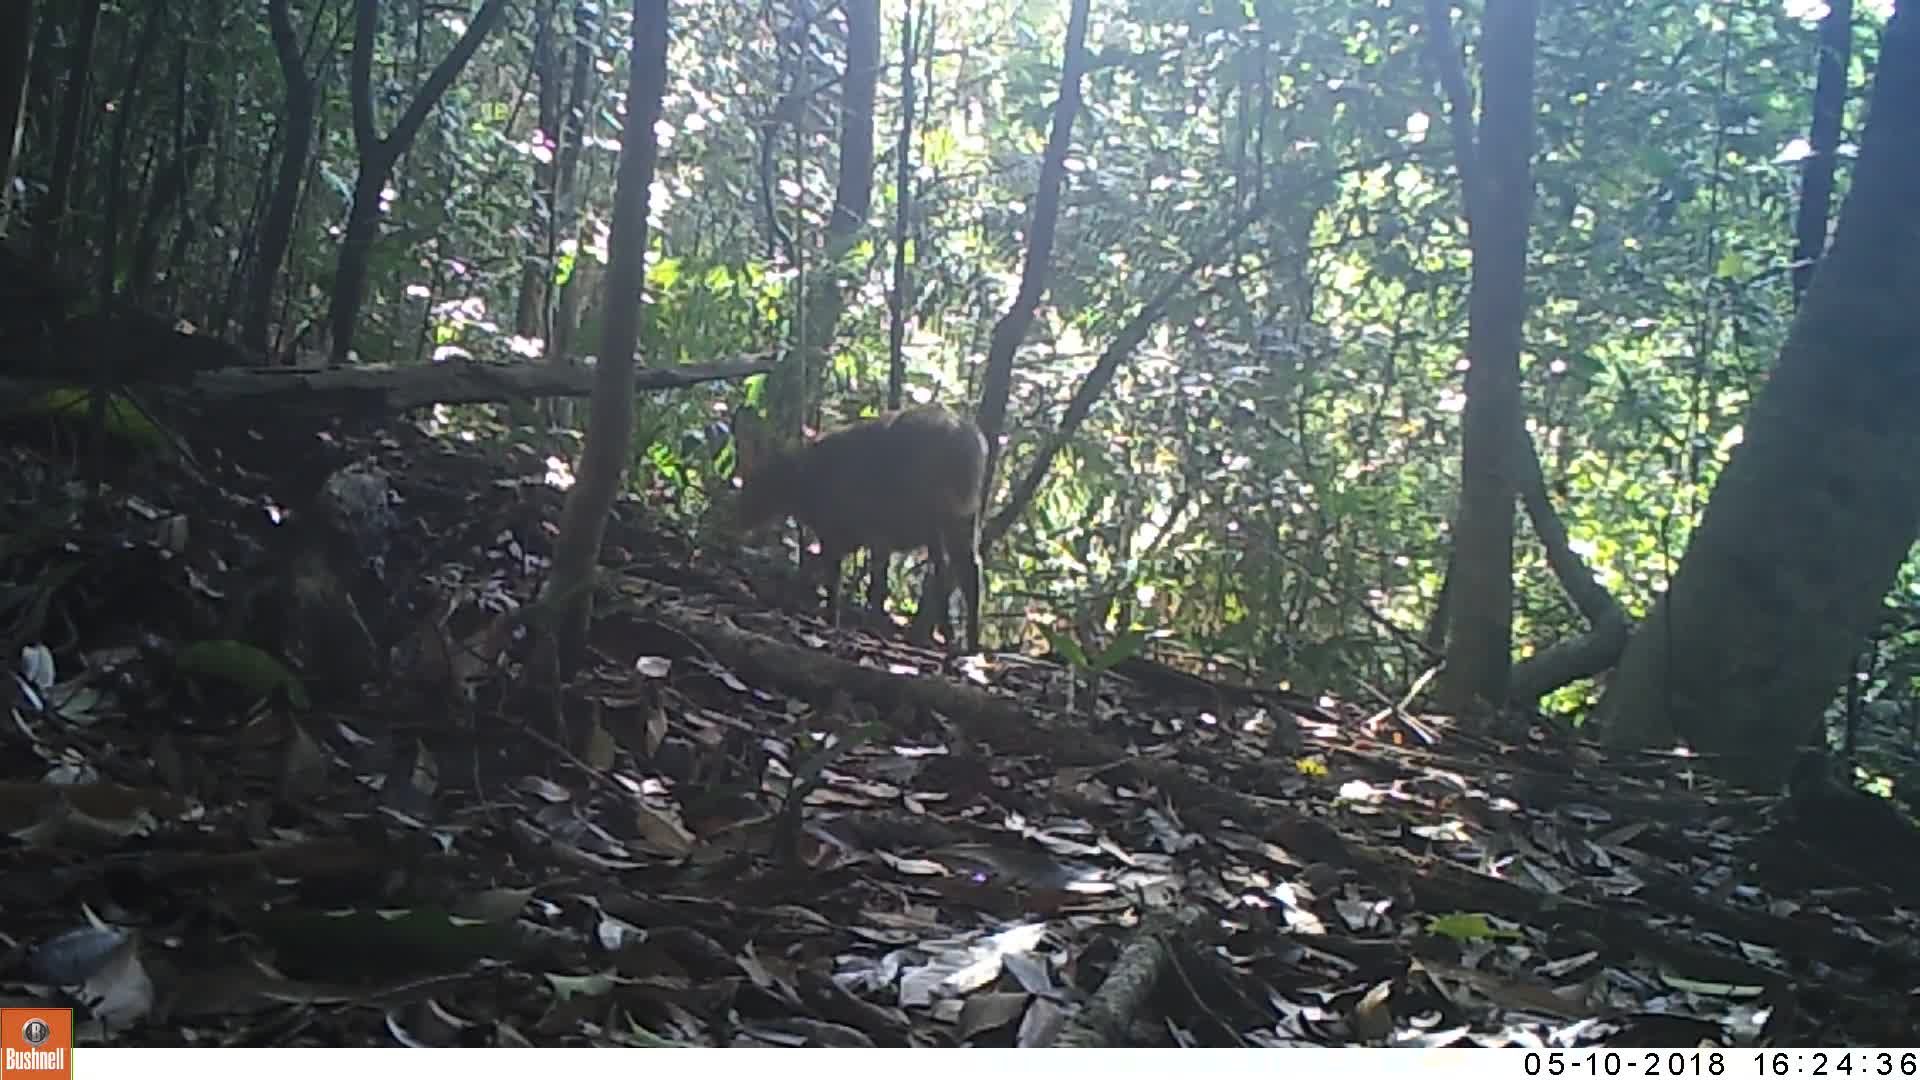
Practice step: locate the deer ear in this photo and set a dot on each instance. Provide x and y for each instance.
(749, 441)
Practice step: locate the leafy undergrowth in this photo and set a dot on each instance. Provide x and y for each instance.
(244, 810)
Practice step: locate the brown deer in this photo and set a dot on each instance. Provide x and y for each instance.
(900, 481)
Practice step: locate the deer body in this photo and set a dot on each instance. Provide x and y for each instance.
(900, 481)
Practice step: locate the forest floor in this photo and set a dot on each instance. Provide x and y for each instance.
(274, 777)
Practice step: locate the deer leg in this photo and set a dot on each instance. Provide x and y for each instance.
(941, 580)
(878, 559)
(831, 559)
(964, 542)
(920, 632)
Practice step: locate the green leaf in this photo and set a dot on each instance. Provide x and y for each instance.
(124, 420)
(1124, 648)
(1066, 646)
(244, 666)
(567, 986)
(1468, 926)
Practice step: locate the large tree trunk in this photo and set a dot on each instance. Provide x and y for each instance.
(1494, 167)
(1817, 509)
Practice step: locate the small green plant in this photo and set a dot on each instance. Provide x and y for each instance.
(1123, 648)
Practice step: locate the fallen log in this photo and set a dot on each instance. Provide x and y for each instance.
(379, 387)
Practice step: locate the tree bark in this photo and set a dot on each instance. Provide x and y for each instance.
(603, 459)
(368, 389)
(900, 292)
(107, 278)
(40, 80)
(1829, 108)
(996, 385)
(378, 155)
(1598, 648)
(564, 318)
(276, 234)
(536, 264)
(1036, 274)
(171, 183)
(1816, 510)
(1495, 173)
(16, 70)
(825, 299)
(50, 216)
(853, 195)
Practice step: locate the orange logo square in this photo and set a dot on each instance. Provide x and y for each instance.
(36, 1044)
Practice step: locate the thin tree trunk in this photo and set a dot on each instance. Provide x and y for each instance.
(16, 71)
(168, 193)
(792, 390)
(107, 277)
(1829, 107)
(603, 459)
(1036, 274)
(378, 155)
(51, 214)
(531, 305)
(564, 317)
(900, 295)
(40, 98)
(1036, 271)
(276, 232)
(1599, 647)
(1496, 177)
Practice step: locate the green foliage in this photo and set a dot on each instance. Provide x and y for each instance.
(124, 420)
(1273, 471)
(241, 665)
(1465, 926)
(1124, 647)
